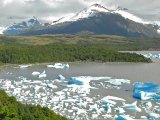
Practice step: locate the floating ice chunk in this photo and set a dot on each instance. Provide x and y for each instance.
(61, 77)
(124, 117)
(50, 66)
(81, 83)
(43, 74)
(132, 106)
(75, 81)
(36, 88)
(94, 116)
(71, 100)
(144, 117)
(146, 95)
(106, 101)
(145, 91)
(94, 108)
(24, 66)
(147, 105)
(114, 98)
(152, 55)
(60, 93)
(107, 108)
(118, 82)
(107, 116)
(59, 66)
(81, 111)
(52, 86)
(119, 110)
(109, 99)
(83, 80)
(153, 116)
(35, 73)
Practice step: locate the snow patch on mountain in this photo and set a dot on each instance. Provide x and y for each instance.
(96, 8)
(92, 10)
(2, 29)
(17, 27)
(130, 16)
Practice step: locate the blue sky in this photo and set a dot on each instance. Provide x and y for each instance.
(17, 10)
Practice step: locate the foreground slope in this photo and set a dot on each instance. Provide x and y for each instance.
(10, 109)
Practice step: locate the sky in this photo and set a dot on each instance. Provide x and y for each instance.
(12, 11)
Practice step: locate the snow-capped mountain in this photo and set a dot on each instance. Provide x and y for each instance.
(18, 27)
(96, 19)
(96, 8)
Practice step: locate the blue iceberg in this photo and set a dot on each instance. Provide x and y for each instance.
(75, 81)
(145, 91)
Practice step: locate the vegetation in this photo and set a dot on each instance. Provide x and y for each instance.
(10, 109)
(117, 42)
(16, 54)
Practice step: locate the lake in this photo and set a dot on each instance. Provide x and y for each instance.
(135, 72)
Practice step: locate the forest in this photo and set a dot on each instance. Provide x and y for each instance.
(20, 54)
(10, 109)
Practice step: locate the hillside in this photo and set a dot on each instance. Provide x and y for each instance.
(10, 109)
(116, 42)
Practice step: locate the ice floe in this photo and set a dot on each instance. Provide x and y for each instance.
(152, 55)
(43, 74)
(124, 117)
(61, 77)
(36, 73)
(76, 97)
(145, 91)
(59, 66)
(132, 106)
(24, 66)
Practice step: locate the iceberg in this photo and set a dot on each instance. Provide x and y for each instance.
(119, 110)
(52, 86)
(107, 108)
(124, 117)
(24, 66)
(36, 73)
(153, 116)
(81, 84)
(148, 105)
(146, 91)
(61, 77)
(132, 106)
(118, 82)
(152, 55)
(43, 74)
(50, 66)
(59, 66)
(109, 99)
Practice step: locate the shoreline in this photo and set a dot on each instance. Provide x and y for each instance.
(76, 62)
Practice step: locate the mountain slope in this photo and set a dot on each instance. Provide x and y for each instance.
(99, 20)
(101, 23)
(18, 27)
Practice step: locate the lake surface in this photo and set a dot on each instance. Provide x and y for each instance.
(135, 72)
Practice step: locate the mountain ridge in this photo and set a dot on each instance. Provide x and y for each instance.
(96, 19)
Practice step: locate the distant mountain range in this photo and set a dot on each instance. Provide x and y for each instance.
(96, 20)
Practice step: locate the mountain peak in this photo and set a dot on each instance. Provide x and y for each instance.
(98, 8)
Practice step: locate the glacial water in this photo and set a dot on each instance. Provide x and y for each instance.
(68, 99)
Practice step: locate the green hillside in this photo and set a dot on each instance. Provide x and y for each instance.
(10, 109)
(16, 54)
